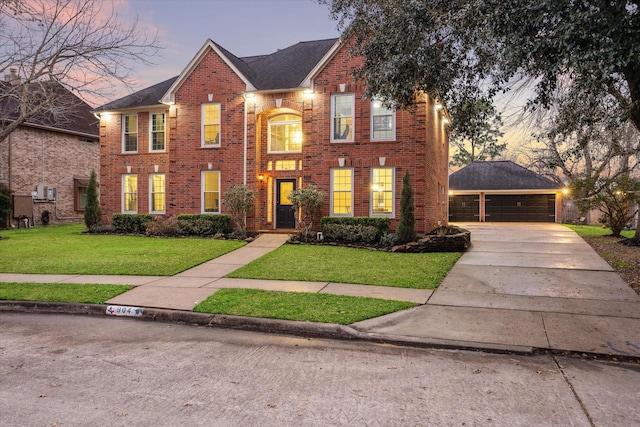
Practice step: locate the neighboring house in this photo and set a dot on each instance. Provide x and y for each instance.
(275, 123)
(45, 163)
(497, 191)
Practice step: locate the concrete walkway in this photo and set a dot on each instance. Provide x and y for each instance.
(525, 285)
(519, 287)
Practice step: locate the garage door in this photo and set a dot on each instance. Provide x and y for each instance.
(464, 208)
(520, 208)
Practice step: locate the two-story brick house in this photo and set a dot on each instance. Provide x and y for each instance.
(273, 122)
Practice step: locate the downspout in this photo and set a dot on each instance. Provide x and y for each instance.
(244, 163)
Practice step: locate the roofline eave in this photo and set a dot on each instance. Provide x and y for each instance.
(307, 82)
(169, 96)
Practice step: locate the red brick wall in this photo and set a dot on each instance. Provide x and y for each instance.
(421, 145)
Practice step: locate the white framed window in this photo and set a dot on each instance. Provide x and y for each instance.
(130, 193)
(157, 132)
(382, 192)
(342, 108)
(157, 200)
(210, 125)
(285, 134)
(341, 192)
(383, 122)
(130, 133)
(210, 199)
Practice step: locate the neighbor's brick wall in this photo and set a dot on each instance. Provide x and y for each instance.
(53, 159)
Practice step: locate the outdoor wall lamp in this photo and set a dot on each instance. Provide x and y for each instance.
(261, 177)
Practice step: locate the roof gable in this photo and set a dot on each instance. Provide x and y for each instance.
(498, 175)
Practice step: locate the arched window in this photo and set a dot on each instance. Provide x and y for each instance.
(285, 133)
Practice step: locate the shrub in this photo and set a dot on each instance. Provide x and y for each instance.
(167, 227)
(239, 201)
(131, 223)
(308, 202)
(5, 204)
(407, 224)
(92, 213)
(204, 225)
(381, 224)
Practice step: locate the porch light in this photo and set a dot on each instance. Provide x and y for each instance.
(438, 106)
(307, 94)
(565, 191)
(249, 95)
(261, 177)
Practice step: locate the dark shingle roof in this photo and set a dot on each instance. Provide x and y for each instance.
(144, 97)
(77, 117)
(498, 175)
(284, 69)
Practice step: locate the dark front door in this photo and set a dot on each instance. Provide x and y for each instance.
(285, 214)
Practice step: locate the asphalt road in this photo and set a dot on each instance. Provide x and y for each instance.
(61, 370)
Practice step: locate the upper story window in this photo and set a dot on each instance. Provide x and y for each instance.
(210, 125)
(157, 132)
(285, 133)
(383, 122)
(130, 133)
(342, 108)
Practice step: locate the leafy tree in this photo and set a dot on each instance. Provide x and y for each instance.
(92, 213)
(477, 129)
(308, 201)
(82, 45)
(239, 201)
(451, 48)
(5, 204)
(613, 197)
(407, 225)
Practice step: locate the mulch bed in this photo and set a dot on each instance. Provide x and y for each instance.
(625, 259)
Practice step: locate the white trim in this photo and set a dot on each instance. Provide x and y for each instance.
(331, 191)
(353, 118)
(393, 193)
(122, 125)
(122, 187)
(307, 82)
(169, 96)
(202, 124)
(151, 114)
(202, 174)
(371, 129)
(151, 193)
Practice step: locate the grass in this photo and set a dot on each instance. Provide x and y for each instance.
(310, 307)
(596, 231)
(348, 265)
(64, 249)
(60, 292)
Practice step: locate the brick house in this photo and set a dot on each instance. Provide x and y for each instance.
(273, 122)
(46, 163)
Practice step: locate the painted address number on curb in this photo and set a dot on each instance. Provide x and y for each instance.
(118, 310)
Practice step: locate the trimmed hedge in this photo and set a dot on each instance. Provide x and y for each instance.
(354, 229)
(131, 223)
(204, 224)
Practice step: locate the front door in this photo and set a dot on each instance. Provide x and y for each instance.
(285, 214)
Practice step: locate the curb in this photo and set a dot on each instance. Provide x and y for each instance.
(289, 327)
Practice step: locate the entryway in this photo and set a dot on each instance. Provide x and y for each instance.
(285, 214)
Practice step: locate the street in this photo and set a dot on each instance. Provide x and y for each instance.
(62, 370)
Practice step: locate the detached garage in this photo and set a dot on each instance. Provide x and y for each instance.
(502, 191)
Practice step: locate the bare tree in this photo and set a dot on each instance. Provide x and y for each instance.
(83, 46)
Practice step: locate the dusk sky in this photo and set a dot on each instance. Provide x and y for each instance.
(243, 27)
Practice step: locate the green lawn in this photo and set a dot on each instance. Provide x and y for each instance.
(596, 230)
(60, 292)
(308, 307)
(348, 265)
(64, 249)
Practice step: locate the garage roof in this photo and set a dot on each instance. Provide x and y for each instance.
(498, 175)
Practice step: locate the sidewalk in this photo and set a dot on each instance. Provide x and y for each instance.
(520, 287)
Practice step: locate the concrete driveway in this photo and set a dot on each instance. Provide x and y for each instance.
(535, 285)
